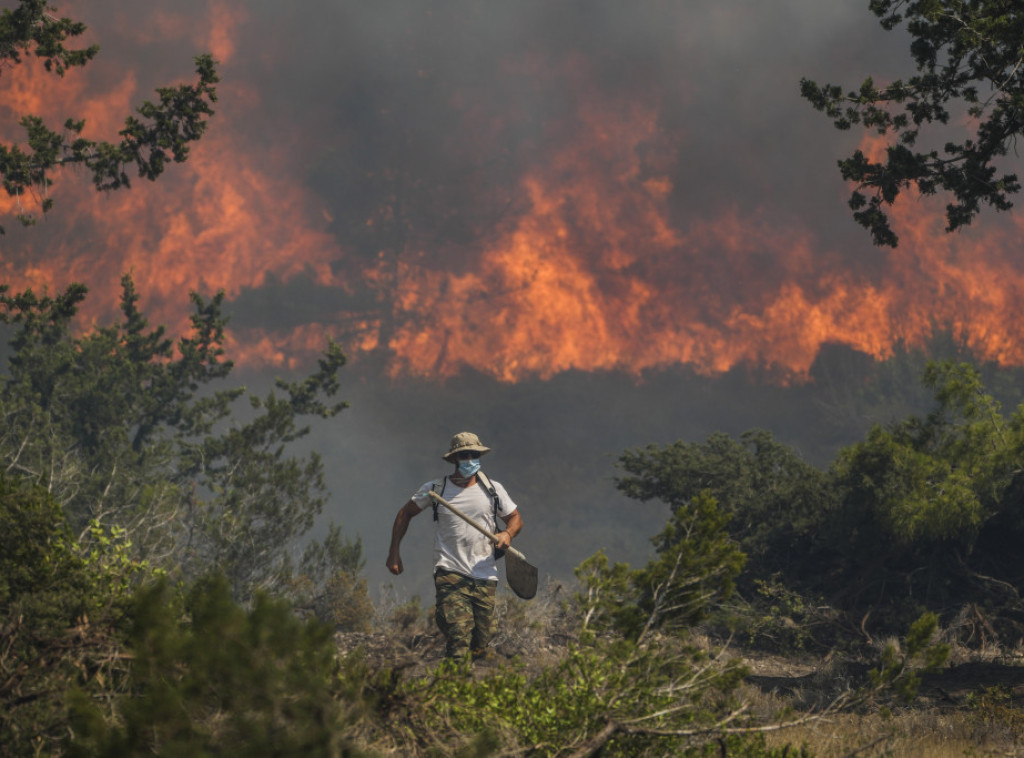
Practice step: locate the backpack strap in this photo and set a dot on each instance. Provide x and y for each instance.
(484, 482)
(438, 488)
(481, 479)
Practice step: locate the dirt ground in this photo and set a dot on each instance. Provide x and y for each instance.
(950, 686)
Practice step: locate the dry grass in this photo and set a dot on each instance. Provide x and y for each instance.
(974, 707)
(930, 733)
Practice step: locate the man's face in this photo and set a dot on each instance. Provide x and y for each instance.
(465, 455)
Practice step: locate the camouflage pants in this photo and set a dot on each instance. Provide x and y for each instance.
(464, 612)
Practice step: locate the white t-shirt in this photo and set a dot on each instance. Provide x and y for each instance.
(459, 547)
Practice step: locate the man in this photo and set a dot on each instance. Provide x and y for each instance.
(465, 571)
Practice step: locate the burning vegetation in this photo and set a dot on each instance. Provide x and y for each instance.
(571, 238)
(158, 592)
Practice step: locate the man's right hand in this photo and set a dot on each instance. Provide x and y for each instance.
(394, 564)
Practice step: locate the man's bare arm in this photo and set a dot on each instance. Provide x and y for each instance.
(513, 525)
(401, 525)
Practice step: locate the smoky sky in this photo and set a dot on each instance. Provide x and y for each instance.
(465, 97)
(363, 160)
(410, 127)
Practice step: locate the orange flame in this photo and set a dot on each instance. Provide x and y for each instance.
(222, 221)
(599, 272)
(627, 290)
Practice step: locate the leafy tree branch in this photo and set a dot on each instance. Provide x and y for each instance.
(969, 58)
(160, 132)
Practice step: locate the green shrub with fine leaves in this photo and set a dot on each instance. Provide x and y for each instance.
(210, 678)
(60, 617)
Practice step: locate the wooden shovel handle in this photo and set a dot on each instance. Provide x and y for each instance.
(472, 523)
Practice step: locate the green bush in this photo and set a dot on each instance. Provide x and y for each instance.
(60, 615)
(209, 678)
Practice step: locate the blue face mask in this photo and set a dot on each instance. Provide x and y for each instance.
(469, 467)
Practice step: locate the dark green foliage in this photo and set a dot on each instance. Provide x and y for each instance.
(119, 434)
(29, 28)
(58, 620)
(210, 678)
(695, 567)
(900, 671)
(929, 504)
(912, 495)
(969, 59)
(262, 498)
(773, 499)
(161, 132)
(769, 537)
(38, 569)
(91, 417)
(924, 513)
(126, 428)
(198, 675)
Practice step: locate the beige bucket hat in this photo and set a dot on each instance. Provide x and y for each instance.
(464, 441)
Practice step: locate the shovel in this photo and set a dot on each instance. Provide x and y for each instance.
(522, 577)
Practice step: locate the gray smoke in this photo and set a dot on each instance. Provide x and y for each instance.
(436, 111)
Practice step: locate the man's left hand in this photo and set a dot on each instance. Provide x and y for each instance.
(504, 540)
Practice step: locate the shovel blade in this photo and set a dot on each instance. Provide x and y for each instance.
(521, 576)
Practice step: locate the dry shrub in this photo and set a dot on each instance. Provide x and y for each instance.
(535, 630)
(345, 603)
(974, 634)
